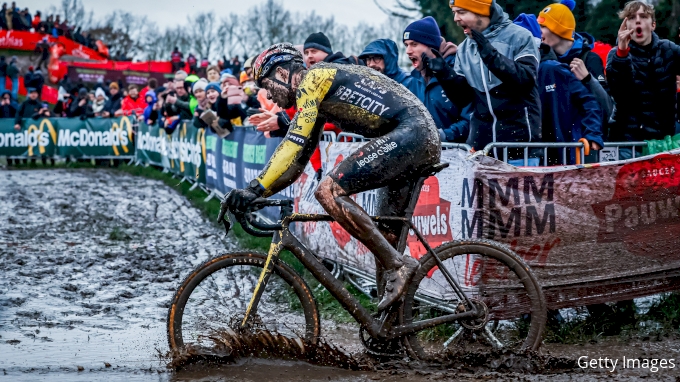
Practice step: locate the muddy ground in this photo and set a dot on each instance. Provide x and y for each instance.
(89, 260)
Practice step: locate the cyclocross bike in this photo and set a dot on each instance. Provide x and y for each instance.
(467, 292)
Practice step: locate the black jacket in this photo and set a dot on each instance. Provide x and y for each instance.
(339, 58)
(644, 87)
(28, 109)
(84, 111)
(114, 103)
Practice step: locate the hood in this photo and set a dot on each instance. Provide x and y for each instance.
(390, 53)
(151, 94)
(589, 37)
(2, 94)
(499, 19)
(576, 49)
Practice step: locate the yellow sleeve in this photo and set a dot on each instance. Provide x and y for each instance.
(280, 170)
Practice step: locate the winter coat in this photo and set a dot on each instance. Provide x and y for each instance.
(12, 70)
(184, 108)
(8, 111)
(643, 85)
(570, 111)
(390, 54)
(36, 80)
(501, 86)
(84, 111)
(453, 127)
(28, 109)
(114, 103)
(595, 82)
(133, 106)
(149, 105)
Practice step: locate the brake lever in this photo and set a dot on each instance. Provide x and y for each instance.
(224, 216)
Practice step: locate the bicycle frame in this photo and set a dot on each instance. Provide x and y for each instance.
(375, 327)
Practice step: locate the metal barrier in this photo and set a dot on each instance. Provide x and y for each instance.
(451, 146)
(611, 151)
(329, 136)
(350, 137)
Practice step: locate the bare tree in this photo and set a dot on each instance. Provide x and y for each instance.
(203, 32)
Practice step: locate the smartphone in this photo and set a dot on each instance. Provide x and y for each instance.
(44, 105)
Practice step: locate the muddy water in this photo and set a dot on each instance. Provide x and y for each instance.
(89, 260)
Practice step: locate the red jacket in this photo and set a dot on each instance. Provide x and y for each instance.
(129, 105)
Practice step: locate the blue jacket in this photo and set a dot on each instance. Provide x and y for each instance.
(453, 124)
(389, 52)
(570, 110)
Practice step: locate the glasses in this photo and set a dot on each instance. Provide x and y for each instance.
(375, 59)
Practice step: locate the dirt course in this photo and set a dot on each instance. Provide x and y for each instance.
(89, 262)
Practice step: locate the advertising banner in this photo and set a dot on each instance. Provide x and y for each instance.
(36, 138)
(572, 225)
(95, 137)
(94, 76)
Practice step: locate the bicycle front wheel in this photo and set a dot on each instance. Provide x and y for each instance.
(496, 280)
(214, 298)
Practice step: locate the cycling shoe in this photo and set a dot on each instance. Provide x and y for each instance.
(397, 281)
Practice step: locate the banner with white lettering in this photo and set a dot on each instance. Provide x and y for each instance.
(572, 225)
(35, 138)
(95, 137)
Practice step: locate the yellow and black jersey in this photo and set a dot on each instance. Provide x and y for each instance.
(355, 98)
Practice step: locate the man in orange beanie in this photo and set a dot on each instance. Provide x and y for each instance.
(558, 27)
(495, 70)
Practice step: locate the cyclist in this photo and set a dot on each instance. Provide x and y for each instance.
(362, 101)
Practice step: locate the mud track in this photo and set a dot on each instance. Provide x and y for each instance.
(89, 260)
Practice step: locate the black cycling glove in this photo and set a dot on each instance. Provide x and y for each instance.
(437, 66)
(240, 199)
(485, 48)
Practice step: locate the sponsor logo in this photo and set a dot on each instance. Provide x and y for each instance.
(643, 212)
(431, 218)
(384, 149)
(550, 88)
(9, 41)
(297, 139)
(361, 100)
(34, 136)
(407, 35)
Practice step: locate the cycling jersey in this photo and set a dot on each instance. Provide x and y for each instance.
(358, 100)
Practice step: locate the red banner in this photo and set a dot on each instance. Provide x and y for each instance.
(27, 41)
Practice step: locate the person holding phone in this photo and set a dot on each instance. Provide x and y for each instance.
(33, 108)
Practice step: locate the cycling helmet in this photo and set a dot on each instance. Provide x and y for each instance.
(277, 54)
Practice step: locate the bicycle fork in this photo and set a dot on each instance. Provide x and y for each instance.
(274, 252)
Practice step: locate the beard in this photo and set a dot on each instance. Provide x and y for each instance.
(283, 97)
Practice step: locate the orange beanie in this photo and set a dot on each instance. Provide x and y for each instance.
(480, 7)
(559, 19)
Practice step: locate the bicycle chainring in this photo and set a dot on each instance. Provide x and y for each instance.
(479, 322)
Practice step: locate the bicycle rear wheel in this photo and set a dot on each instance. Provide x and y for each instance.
(496, 279)
(214, 298)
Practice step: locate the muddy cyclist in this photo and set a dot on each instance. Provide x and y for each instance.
(361, 101)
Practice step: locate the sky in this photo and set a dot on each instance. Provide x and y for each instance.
(169, 12)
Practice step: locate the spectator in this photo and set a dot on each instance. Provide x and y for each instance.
(3, 17)
(99, 102)
(383, 56)
(198, 90)
(421, 38)
(81, 107)
(641, 72)
(506, 105)
(31, 108)
(63, 105)
(213, 73)
(317, 48)
(133, 104)
(570, 110)
(557, 30)
(3, 73)
(9, 13)
(44, 47)
(35, 80)
(13, 75)
(35, 23)
(150, 112)
(151, 85)
(235, 66)
(8, 108)
(115, 101)
(176, 58)
(181, 99)
(193, 63)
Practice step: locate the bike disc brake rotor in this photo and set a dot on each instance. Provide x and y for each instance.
(477, 323)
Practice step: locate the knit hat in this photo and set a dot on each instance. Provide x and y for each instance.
(480, 7)
(114, 85)
(424, 31)
(318, 41)
(31, 90)
(214, 86)
(200, 85)
(529, 23)
(100, 92)
(559, 19)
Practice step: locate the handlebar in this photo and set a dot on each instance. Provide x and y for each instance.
(248, 220)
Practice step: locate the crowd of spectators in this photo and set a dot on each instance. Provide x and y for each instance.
(15, 18)
(532, 79)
